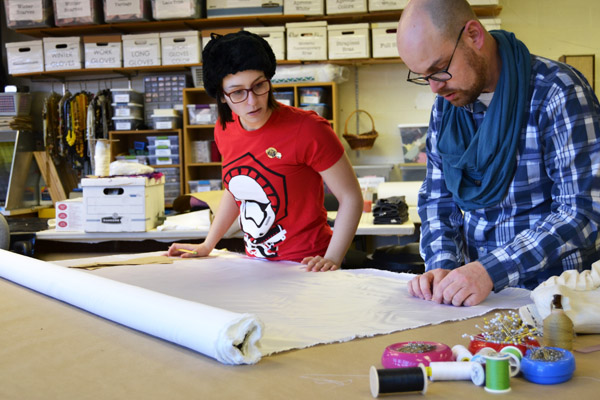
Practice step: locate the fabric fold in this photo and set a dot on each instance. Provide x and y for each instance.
(228, 337)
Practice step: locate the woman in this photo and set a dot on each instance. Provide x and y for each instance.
(275, 159)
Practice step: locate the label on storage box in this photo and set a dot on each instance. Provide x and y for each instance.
(73, 9)
(25, 10)
(346, 6)
(305, 7)
(353, 46)
(174, 8)
(99, 55)
(123, 7)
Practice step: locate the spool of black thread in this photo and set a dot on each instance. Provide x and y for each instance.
(398, 380)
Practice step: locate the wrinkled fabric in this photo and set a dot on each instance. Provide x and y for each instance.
(300, 309)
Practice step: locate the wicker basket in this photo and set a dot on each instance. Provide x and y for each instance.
(361, 141)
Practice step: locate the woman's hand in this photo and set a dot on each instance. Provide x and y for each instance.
(320, 264)
(188, 250)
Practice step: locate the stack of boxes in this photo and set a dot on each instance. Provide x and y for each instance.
(304, 41)
(127, 109)
(164, 150)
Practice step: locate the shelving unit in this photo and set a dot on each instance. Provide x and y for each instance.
(122, 141)
(211, 23)
(191, 133)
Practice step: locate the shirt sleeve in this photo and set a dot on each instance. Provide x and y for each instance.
(441, 241)
(318, 145)
(568, 123)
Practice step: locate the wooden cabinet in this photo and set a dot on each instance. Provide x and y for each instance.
(191, 133)
(171, 165)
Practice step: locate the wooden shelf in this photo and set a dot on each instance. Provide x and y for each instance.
(208, 23)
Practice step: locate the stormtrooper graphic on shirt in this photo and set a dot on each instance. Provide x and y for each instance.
(257, 190)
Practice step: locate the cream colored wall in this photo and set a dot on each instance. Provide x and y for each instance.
(550, 28)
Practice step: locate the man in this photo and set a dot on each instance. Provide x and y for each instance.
(512, 193)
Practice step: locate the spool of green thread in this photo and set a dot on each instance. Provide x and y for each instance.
(497, 373)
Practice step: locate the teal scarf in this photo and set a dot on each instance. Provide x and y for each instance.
(479, 164)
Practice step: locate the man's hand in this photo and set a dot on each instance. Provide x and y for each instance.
(422, 286)
(468, 285)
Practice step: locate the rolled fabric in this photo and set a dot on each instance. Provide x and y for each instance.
(228, 337)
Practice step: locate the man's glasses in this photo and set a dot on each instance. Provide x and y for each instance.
(240, 95)
(440, 76)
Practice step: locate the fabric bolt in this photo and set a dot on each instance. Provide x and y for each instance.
(299, 309)
(548, 220)
(226, 336)
(273, 173)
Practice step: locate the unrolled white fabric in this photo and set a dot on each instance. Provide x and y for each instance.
(229, 337)
(299, 308)
(580, 299)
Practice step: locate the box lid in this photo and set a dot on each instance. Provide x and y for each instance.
(102, 39)
(139, 180)
(343, 27)
(376, 25)
(21, 45)
(311, 24)
(180, 34)
(142, 36)
(67, 39)
(265, 29)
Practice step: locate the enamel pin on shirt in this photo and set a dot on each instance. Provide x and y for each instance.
(273, 153)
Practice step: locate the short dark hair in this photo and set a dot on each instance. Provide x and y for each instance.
(230, 54)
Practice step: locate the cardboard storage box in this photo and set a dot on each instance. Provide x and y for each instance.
(387, 5)
(349, 41)
(275, 36)
(169, 9)
(70, 215)
(103, 51)
(383, 35)
(141, 50)
(306, 40)
(28, 14)
(127, 11)
(304, 7)
(77, 12)
(231, 8)
(123, 204)
(63, 53)
(348, 6)
(180, 47)
(25, 57)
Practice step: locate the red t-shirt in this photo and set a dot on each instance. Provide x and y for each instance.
(273, 173)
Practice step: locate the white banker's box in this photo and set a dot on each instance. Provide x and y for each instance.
(123, 204)
(349, 41)
(384, 39)
(306, 40)
(69, 215)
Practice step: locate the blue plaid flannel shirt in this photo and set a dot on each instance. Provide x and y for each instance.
(548, 221)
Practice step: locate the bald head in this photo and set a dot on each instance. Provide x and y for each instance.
(447, 16)
(427, 24)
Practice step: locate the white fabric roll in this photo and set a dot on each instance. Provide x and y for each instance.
(102, 157)
(228, 337)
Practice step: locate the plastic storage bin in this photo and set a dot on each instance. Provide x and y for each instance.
(163, 160)
(127, 123)
(204, 185)
(127, 96)
(133, 159)
(285, 97)
(163, 150)
(171, 174)
(19, 14)
(320, 108)
(164, 122)
(202, 114)
(162, 140)
(172, 190)
(311, 95)
(131, 110)
(127, 11)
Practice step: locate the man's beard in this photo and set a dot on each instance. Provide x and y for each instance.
(478, 67)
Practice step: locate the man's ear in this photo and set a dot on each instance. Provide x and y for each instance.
(475, 33)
